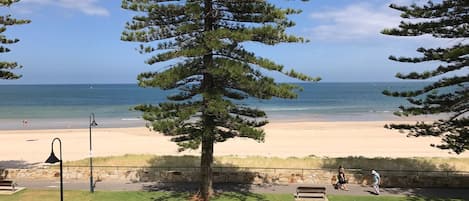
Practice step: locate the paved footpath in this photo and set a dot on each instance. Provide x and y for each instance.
(459, 193)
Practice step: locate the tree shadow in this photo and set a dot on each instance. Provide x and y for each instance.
(417, 178)
(186, 169)
(228, 191)
(171, 195)
(431, 194)
(13, 164)
(179, 175)
(420, 198)
(17, 164)
(401, 164)
(243, 196)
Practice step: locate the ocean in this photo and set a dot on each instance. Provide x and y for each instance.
(69, 106)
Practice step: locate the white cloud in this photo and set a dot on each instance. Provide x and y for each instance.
(356, 21)
(87, 7)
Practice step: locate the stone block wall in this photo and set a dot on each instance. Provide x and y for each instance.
(227, 175)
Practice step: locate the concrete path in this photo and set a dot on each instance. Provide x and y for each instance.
(290, 188)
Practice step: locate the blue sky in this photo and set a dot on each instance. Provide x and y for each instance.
(78, 41)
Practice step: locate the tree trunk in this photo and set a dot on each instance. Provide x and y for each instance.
(206, 176)
(206, 159)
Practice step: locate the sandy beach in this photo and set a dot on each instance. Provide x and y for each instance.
(283, 139)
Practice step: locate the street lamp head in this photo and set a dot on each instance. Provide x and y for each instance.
(93, 123)
(52, 158)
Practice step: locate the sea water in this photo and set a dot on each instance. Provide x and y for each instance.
(69, 106)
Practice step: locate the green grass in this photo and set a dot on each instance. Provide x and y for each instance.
(385, 198)
(421, 163)
(48, 195)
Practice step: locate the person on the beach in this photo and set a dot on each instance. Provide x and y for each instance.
(341, 183)
(376, 181)
(25, 122)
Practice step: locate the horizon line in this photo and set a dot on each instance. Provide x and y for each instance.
(115, 83)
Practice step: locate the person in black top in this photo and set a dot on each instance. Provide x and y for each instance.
(341, 180)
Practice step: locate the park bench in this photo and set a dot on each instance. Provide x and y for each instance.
(310, 193)
(7, 185)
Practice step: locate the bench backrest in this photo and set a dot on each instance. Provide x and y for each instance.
(6, 183)
(310, 189)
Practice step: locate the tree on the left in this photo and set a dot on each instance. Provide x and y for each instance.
(5, 21)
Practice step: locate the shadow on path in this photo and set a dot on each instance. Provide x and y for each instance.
(371, 192)
(431, 194)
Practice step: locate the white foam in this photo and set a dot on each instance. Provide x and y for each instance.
(130, 119)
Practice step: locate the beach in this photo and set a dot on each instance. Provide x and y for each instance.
(327, 120)
(283, 139)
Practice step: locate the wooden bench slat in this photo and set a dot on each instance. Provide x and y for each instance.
(310, 192)
(310, 195)
(310, 187)
(7, 185)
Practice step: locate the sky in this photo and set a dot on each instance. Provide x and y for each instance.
(78, 42)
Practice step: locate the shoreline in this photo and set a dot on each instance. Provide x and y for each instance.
(135, 122)
(283, 139)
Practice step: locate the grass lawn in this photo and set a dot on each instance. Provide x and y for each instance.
(385, 198)
(48, 195)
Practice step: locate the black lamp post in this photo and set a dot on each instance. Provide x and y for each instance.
(92, 124)
(53, 159)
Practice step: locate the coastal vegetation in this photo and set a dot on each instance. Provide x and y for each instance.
(50, 195)
(5, 21)
(202, 43)
(447, 97)
(418, 163)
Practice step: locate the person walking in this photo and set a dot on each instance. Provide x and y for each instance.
(376, 181)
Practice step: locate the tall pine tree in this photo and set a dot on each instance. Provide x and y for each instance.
(5, 21)
(202, 43)
(448, 97)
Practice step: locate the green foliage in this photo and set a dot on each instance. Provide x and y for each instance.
(202, 41)
(448, 97)
(5, 21)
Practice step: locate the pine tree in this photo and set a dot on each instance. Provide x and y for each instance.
(448, 97)
(5, 21)
(202, 43)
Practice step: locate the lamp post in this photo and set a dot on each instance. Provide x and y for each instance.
(53, 159)
(92, 124)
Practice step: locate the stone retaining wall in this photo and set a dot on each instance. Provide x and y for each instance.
(235, 175)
